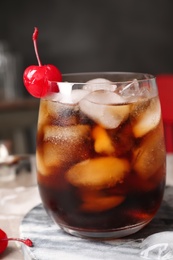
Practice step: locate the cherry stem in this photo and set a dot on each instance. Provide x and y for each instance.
(34, 38)
(27, 241)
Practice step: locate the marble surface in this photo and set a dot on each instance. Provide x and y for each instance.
(50, 242)
(19, 196)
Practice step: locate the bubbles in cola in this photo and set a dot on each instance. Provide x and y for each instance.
(63, 145)
(99, 106)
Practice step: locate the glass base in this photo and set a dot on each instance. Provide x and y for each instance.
(115, 233)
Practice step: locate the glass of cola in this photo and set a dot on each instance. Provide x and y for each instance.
(101, 153)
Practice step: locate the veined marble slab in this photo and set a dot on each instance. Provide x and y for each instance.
(51, 243)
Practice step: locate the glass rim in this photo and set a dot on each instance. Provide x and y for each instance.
(76, 78)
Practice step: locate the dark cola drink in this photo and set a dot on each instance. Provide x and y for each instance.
(101, 156)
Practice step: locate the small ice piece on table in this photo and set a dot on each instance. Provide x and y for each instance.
(158, 246)
(105, 108)
(99, 84)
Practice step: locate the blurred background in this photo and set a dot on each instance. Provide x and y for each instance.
(76, 36)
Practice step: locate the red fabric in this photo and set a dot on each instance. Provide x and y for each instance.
(165, 88)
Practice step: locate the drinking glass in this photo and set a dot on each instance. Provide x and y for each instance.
(101, 154)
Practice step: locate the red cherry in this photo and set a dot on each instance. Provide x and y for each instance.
(36, 78)
(4, 241)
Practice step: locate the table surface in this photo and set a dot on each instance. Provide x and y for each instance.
(20, 195)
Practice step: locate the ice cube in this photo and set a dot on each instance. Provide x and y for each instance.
(105, 97)
(63, 146)
(133, 91)
(105, 108)
(68, 95)
(98, 173)
(103, 143)
(60, 114)
(150, 155)
(78, 94)
(130, 90)
(158, 246)
(99, 84)
(51, 108)
(148, 118)
(65, 88)
(97, 201)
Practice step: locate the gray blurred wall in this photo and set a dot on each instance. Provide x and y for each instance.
(97, 35)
